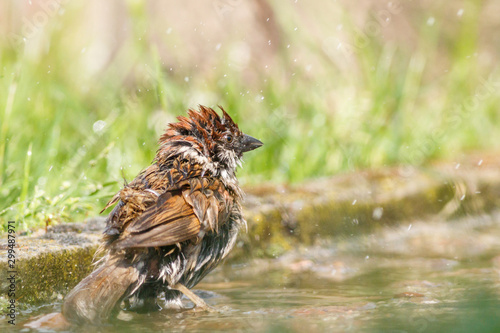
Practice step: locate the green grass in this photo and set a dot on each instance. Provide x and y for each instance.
(68, 139)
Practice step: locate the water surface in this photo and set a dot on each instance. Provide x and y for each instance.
(424, 276)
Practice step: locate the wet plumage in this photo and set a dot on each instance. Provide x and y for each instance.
(172, 224)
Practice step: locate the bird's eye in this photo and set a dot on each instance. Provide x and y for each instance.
(228, 138)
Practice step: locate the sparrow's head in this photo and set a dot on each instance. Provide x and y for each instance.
(206, 137)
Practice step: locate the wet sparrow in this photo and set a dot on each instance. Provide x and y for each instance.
(172, 224)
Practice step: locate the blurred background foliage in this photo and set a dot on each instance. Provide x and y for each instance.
(87, 87)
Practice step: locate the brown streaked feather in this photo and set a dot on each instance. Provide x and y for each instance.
(169, 207)
(211, 214)
(184, 228)
(96, 297)
(143, 191)
(111, 202)
(171, 218)
(178, 215)
(208, 199)
(228, 121)
(205, 208)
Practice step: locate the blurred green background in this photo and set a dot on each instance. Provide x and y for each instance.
(86, 88)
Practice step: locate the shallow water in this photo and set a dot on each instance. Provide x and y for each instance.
(425, 276)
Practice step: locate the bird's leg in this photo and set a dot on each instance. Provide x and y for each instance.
(198, 301)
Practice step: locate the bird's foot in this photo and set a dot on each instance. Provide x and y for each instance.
(205, 308)
(199, 303)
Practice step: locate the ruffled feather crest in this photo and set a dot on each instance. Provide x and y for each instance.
(204, 125)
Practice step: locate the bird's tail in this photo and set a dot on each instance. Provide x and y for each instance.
(98, 296)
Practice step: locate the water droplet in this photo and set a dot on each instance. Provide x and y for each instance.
(377, 213)
(99, 126)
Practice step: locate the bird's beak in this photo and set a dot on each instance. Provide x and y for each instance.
(249, 143)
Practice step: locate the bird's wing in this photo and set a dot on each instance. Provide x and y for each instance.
(144, 192)
(210, 201)
(178, 215)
